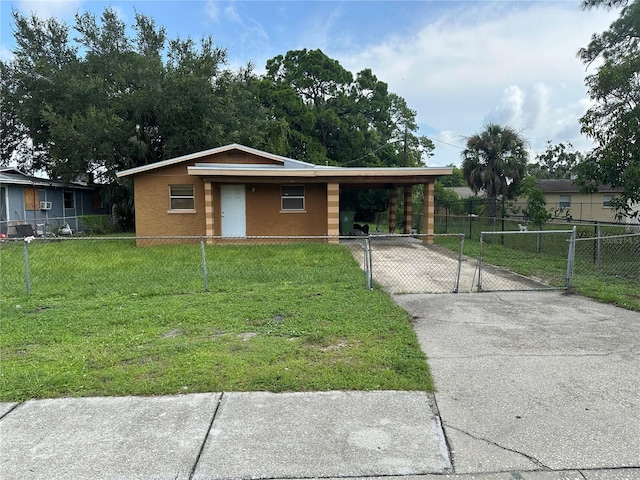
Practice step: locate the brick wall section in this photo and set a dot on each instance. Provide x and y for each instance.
(151, 192)
(333, 211)
(428, 212)
(265, 217)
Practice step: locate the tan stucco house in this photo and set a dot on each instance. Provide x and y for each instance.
(566, 201)
(237, 191)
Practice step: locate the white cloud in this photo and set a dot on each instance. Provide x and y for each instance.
(212, 10)
(512, 63)
(50, 8)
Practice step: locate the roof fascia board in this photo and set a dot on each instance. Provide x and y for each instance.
(204, 153)
(315, 173)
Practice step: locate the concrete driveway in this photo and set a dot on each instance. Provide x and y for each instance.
(533, 380)
(404, 264)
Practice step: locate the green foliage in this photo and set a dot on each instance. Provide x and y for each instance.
(442, 194)
(337, 118)
(557, 161)
(614, 119)
(102, 101)
(456, 179)
(124, 320)
(495, 161)
(536, 208)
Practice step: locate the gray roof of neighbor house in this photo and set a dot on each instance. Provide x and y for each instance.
(567, 186)
(15, 176)
(284, 167)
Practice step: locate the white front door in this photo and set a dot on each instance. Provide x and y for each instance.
(232, 209)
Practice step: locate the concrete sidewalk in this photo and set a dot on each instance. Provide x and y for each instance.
(533, 386)
(230, 435)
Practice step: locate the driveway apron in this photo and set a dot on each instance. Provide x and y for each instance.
(532, 380)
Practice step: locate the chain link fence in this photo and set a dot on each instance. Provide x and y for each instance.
(615, 257)
(89, 266)
(410, 263)
(85, 266)
(523, 249)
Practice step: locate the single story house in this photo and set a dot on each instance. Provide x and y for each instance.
(38, 205)
(237, 191)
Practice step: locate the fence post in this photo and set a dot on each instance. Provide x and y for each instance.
(480, 262)
(598, 244)
(367, 263)
(457, 286)
(570, 258)
(204, 265)
(26, 264)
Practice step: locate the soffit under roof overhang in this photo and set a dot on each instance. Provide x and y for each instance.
(354, 178)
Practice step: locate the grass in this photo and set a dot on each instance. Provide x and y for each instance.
(618, 286)
(109, 318)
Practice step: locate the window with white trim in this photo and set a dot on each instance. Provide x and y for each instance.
(292, 197)
(606, 200)
(182, 197)
(565, 201)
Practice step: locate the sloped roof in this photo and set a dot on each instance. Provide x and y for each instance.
(15, 176)
(282, 166)
(285, 162)
(567, 186)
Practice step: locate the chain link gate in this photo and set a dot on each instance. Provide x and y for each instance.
(412, 263)
(557, 246)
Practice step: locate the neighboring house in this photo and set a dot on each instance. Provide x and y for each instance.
(565, 201)
(237, 191)
(43, 204)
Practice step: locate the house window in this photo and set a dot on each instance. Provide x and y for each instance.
(565, 201)
(292, 197)
(606, 200)
(69, 199)
(181, 197)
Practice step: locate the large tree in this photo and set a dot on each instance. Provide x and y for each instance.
(557, 161)
(103, 101)
(495, 160)
(340, 118)
(614, 119)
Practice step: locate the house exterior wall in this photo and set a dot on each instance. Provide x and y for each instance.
(265, 217)
(584, 207)
(263, 207)
(21, 203)
(153, 215)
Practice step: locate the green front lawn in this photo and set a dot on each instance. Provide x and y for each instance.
(109, 318)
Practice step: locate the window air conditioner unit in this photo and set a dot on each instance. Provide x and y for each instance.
(45, 205)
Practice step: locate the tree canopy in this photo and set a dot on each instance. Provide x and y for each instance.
(557, 161)
(495, 160)
(91, 99)
(614, 119)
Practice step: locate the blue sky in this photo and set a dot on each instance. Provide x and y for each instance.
(458, 64)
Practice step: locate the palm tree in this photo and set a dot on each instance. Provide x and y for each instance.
(495, 161)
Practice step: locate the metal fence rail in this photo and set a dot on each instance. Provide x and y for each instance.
(398, 263)
(614, 256)
(167, 265)
(523, 247)
(413, 264)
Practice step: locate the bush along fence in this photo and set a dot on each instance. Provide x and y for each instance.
(398, 263)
